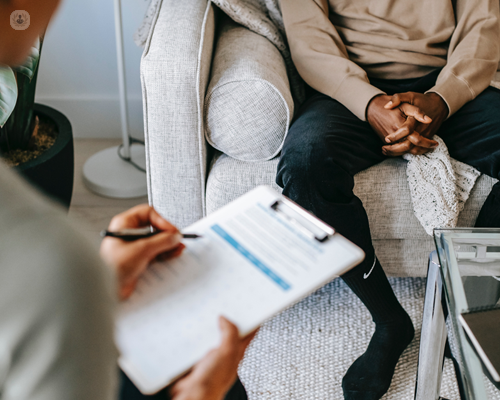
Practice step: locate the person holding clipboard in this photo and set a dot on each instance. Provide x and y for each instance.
(212, 377)
(57, 299)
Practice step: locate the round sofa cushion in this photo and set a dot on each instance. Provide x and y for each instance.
(248, 106)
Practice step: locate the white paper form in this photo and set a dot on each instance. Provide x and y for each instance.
(250, 264)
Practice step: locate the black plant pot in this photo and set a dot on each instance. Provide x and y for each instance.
(53, 171)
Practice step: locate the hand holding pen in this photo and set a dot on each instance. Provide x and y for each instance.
(141, 233)
(130, 258)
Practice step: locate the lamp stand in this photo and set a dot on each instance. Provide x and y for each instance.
(105, 173)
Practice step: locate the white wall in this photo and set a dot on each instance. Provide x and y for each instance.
(78, 71)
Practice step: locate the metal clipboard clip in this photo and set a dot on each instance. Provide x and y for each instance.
(303, 220)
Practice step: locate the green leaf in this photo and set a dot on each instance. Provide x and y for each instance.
(8, 93)
(29, 66)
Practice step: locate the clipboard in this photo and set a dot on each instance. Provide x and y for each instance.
(258, 255)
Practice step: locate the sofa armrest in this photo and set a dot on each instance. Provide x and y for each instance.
(175, 69)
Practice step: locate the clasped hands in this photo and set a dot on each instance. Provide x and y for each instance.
(406, 122)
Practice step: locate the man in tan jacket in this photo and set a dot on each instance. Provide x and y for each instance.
(385, 77)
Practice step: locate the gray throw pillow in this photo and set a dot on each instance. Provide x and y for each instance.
(248, 106)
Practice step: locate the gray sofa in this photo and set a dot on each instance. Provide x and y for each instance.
(217, 106)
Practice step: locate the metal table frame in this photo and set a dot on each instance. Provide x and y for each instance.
(433, 341)
(433, 336)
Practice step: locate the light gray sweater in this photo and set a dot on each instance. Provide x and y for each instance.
(56, 303)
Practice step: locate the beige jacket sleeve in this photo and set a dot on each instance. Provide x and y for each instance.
(321, 57)
(472, 55)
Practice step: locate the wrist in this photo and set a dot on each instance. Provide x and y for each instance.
(373, 104)
(440, 106)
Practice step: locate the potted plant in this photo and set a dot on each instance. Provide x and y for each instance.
(35, 139)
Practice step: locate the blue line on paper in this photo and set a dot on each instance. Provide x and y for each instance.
(250, 257)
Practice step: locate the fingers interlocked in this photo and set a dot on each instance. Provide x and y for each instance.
(407, 138)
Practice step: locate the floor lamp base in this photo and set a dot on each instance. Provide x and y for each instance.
(108, 175)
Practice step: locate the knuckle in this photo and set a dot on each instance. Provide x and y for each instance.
(228, 350)
(117, 221)
(168, 238)
(417, 140)
(411, 109)
(143, 206)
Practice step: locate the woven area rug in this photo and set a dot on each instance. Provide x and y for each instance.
(303, 353)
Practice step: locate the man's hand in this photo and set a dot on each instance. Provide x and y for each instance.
(130, 259)
(398, 121)
(431, 104)
(214, 375)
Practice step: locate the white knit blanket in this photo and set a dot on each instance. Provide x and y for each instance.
(439, 185)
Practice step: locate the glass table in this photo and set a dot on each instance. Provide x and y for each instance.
(464, 273)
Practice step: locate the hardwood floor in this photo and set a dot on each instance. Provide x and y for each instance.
(90, 211)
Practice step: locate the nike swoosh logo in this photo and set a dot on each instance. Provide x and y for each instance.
(366, 275)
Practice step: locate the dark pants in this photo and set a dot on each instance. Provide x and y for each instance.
(327, 145)
(128, 391)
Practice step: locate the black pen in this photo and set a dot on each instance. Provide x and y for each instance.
(141, 233)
